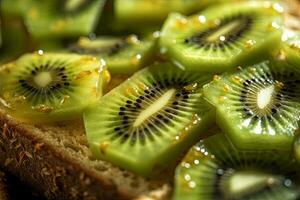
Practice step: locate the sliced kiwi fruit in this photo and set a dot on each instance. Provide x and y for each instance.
(297, 147)
(290, 50)
(123, 55)
(12, 8)
(204, 176)
(222, 148)
(42, 87)
(67, 18)
(145, 124)
(151, 12)
(258, 107)
(222, 37)
(0, 34)
(15, 40)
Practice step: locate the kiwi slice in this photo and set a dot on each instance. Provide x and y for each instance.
(0, 34)
(123, 55)
(221, 147)
(146, 123)
(67, 18)
(152, 12)
(297, 147)
(14, 7)
(15, 41)
(258, 107)
(204, 176)
(222, 37)
(42, 87)
(290, 50)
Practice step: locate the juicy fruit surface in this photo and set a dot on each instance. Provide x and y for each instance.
(290, 50)
(55, 18)
(223, 37)
(50, 87)
(149, 120)
(203, 176)
(127, 12)
(259, 106)
(122, 55)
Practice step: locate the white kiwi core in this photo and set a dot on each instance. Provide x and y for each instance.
(43, 79)
(264, 97)
(154, 107)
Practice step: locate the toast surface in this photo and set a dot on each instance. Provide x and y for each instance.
(56, 162)
(3, 188)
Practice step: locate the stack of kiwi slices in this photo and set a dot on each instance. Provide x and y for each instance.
(204, 92)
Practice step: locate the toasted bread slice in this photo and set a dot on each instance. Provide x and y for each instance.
(56, 162)
(3, 189)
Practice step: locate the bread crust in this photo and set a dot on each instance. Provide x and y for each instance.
(52, 172)
(3, 189)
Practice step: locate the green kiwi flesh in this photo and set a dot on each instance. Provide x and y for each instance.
(42, 87)
(222, 37)
(153, 12)
(67, 18)
(258, 107)
(297, 148)
(290, 50)
(203, 175)
(12, 8)
(145, 124)
(0, 33)
(122, 55)
(14, 40)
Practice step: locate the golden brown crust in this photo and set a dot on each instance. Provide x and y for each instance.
(28, 152)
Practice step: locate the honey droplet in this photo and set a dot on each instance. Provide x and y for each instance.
(130, 91)
(136, 59)
(82, 74)
(236, 79)
(88, 59)
(278, 7)
(191, 87)
(181, 22)
(217, 78)
(64, 99)
(281, 55)
(42, 108)
(58, 25)
(106, 76)
(40, 52)
(250, 43)
(156, 34)
(196, 119)
(103, 146)
(226, 88)
(279, 84)
(142, 86)
(202, 19)
(222, 99)
(84, 42)
(133, 39)
(20, 99)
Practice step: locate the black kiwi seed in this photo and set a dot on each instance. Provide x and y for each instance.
(200, 39)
